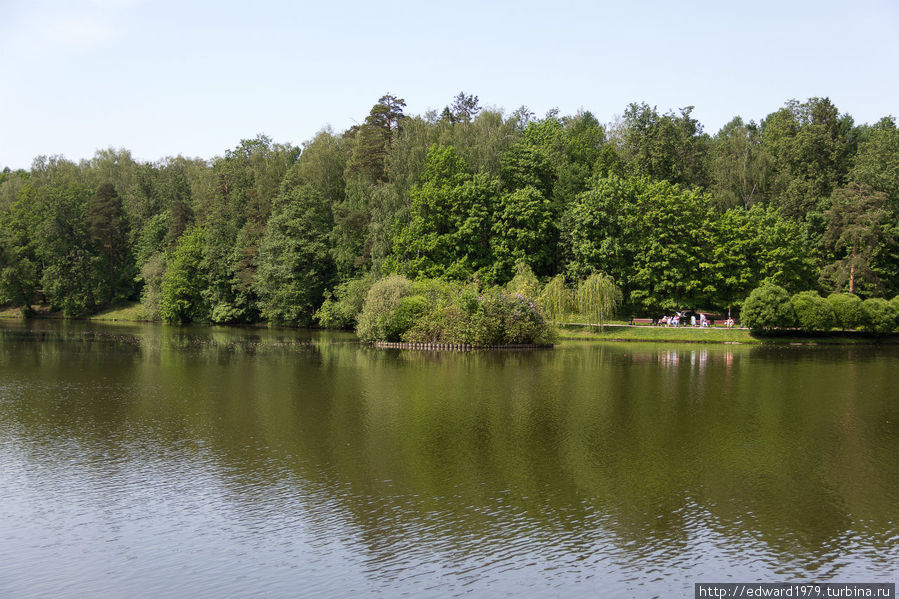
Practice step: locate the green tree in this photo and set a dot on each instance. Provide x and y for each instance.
(556, 300)
(451, 221)
(598, 298)
(669, 147)
(811, 146)
(108, 230)
(464, 109)
(524, 230)
(857, 223)
(524, 282)
(295, 264)
(649, 236)
(181, 291)
(740, 166)
(877, 161)
(377, 322)
(375, 138)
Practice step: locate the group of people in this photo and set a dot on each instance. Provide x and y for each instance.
(702, 321)
(674, 321)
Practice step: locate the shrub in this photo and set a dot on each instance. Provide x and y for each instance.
(410, 309)
(847, 308)
(895, 303)
(524, 282)
(813, 312)
(376, 322)
(502, 319)
(432, 311)
(342, 307)
(879, 316)
(768, 307)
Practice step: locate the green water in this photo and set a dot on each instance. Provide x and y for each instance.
(148, 461)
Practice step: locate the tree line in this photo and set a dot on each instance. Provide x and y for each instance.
(677, 217)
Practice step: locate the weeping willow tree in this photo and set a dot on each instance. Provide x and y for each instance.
(598, 297)
(556, 299)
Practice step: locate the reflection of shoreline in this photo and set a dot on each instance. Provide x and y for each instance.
(461, 454)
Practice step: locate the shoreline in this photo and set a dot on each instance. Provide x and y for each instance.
(568, 332)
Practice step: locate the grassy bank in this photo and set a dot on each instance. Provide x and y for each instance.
(127, 312)
(614, 332)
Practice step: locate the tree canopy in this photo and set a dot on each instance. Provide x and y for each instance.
(675, 216)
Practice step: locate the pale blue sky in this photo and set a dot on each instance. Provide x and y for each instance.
(163, 77)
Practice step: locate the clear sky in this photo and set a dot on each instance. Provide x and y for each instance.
(168, 77)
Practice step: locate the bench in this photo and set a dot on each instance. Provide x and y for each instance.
(636, 321)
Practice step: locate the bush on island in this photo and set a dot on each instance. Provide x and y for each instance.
(377, 322)
(434, 311)
(895, 303)
(813, 312)
(767, 308)
(878, 316)
(847, 308)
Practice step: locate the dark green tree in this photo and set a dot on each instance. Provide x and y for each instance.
(375, 138)
(451, 222)
(108, 230)
(811, 146)
(295, 265)
(740, 166)
(857, 222)
(669, 147)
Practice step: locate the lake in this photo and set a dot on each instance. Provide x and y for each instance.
(156, 461)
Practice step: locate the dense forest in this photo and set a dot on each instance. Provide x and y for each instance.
(677, 217)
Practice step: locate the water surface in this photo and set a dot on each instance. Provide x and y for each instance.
(150, 461)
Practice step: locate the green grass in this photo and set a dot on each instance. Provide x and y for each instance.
(573, 332)
(649, 333)
(128, 312)
(11, 313)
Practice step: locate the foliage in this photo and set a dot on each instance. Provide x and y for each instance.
(847, 309)
(377, 321)
(879, 316)
(108, 230)
(181, 290)
(811, 146)
(294, 261)
(556, 301)
(813, 312)
(524, 282)
(151, 274)
(433, 311)
(740, 166)
(858, 222)
(648, 236)
(449, 231)
(667, 147)
(598, 298)
(767, 308)
(677, 218)
(341, 308)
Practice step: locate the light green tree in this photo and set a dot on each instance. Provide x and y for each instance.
(555, 300)
(598, 297)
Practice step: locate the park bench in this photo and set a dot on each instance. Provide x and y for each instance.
(642, 321)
